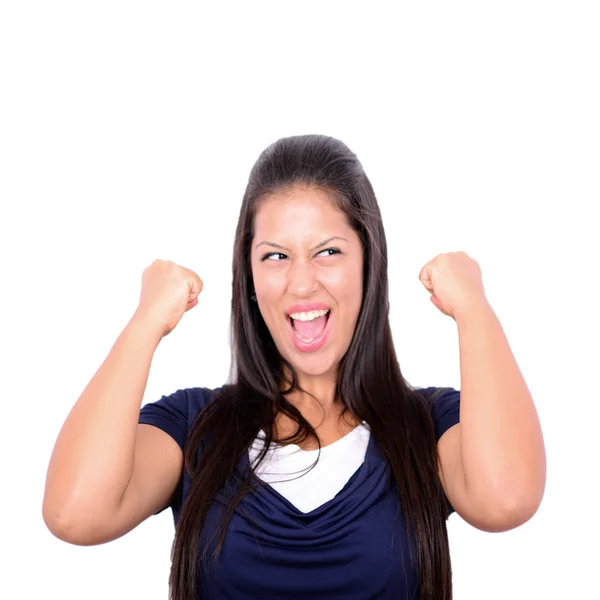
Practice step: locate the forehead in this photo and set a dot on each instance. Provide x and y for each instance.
(298, 210)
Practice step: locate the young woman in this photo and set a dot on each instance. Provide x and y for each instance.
(316, 471)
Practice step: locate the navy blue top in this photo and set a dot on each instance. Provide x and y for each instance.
(350, 548)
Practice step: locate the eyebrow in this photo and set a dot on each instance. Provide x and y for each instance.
(335, 237)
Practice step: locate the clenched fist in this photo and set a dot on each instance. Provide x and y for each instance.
(168, 291)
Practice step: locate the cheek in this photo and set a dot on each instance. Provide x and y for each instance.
(344, 282)
(271, 288)
(341, 277)
(267, 281)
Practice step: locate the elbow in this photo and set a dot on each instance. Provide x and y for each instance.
(514, 513)
(526, 507)
(521, 506)
(67, 528)
(60, 526)
(499, 510)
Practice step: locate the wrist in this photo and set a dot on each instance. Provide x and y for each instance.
(147, 325)
(467, 310)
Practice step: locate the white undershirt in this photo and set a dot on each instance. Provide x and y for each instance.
(284, 468)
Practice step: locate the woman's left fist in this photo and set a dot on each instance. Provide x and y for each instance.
(454, 280)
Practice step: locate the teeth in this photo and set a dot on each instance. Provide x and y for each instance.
(309, 316)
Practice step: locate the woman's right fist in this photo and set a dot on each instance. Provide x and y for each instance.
(168, 290)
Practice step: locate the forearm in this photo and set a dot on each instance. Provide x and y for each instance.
(502, 446)
(93, 457)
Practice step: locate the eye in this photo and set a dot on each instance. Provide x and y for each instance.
(269, 254)
(334, 250)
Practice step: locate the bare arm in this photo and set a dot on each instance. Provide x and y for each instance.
(92, 464)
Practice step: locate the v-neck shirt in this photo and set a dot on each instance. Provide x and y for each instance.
(309, 478)
(353, 546)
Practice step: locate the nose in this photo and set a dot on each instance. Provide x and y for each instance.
(302, 278)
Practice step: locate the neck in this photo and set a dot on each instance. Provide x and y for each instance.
(323, 413)
(319, 394)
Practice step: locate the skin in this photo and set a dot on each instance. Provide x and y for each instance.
(298, 220)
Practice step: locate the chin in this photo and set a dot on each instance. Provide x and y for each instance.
(314, 365)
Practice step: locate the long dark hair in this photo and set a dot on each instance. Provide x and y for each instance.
(369, 383)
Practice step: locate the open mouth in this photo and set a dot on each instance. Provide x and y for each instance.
(309, 335)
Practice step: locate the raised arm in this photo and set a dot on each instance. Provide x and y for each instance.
(107, 473)
(101, 446)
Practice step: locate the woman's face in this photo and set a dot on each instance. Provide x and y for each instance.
(305, 257)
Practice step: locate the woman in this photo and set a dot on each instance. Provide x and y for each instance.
(313, 473)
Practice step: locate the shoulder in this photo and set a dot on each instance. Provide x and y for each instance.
(177, 411)
(444, 405)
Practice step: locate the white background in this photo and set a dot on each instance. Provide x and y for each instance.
(127, 133)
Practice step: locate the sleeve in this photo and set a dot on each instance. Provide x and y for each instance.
(445, 410)
(445, 407)
(175, 414)
(170, 414)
